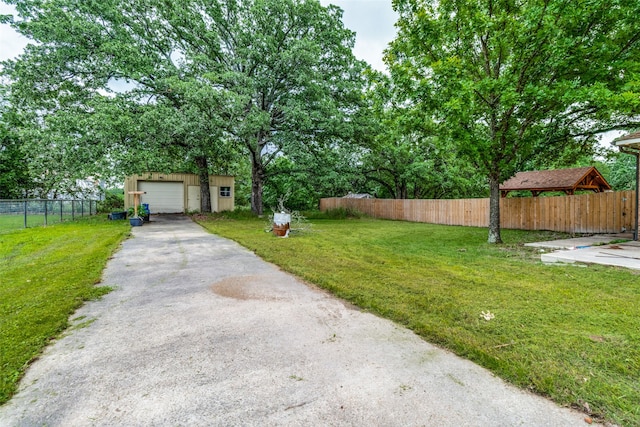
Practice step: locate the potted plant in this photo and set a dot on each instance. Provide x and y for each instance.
(137, 220)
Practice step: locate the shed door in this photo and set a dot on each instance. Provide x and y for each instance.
(193, 198)
(163, 197)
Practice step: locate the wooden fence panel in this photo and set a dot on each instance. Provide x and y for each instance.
(610, 212)
(614, 219)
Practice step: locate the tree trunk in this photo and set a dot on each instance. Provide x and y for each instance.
(205, 192)
(404, 192)
(257, 177)
(494, 210)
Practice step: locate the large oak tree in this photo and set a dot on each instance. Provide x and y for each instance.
(270, 76)
(509, 80)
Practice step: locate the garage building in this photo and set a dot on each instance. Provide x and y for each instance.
(178, 192)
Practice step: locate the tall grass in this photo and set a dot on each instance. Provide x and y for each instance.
(565, 332)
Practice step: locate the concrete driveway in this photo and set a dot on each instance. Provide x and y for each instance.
(201, 332)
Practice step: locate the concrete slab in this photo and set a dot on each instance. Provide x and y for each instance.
(581, 242)
(625, 254)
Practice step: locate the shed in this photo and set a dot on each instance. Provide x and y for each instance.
(179, 192)
(358, 196)
(566, 180)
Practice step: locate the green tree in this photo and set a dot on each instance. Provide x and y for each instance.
(268, 75)
(15, 180)
(405, 157)
(291, 66)
(84, 51)
(309, 175)
(507, 81)
(622, 171)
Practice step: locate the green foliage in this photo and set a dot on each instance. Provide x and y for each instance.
(405, 158)
(199, 84)
(622, 175)
(15, 180)
(337, 213)
(234, 215)
(46, 273)
(113, 201)
(308, 177)
(292, 180)
(565, 332)
(142, 211)
(506, 82)
(300, 87)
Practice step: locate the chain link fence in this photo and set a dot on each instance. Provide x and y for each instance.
(23, 213)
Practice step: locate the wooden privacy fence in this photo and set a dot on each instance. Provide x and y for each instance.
(610, 212)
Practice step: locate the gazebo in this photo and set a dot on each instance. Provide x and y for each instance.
(566, 180)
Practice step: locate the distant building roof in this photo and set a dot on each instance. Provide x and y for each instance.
(567, 180)
(358, 196)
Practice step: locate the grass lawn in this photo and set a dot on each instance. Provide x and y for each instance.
(45, 274)
(566, 332)
(9, 223)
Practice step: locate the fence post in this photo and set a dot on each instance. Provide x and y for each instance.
(82, 208)
(45, 211)
(25, 213)
(73, 210)
(60, 210)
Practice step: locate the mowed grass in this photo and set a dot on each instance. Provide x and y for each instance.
(569, 333)
(45, 274)
(8, 223)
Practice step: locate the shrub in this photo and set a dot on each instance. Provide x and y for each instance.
(113, 201)
(343, 213)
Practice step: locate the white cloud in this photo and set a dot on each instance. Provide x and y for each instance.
(373, 22)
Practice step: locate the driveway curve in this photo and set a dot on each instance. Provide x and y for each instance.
(201, 332)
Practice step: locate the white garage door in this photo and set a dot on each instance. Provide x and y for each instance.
(163, 197)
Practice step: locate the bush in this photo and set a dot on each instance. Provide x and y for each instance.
(343, 213)
(142, 211)
(113, 201)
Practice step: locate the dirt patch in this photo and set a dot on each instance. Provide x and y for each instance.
(246, 288)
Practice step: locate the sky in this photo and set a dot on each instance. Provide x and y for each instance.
(372, 20)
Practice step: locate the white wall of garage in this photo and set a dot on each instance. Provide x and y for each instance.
(163, 197)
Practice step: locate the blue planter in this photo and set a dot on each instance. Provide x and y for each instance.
(118, 215)
(135, 222)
